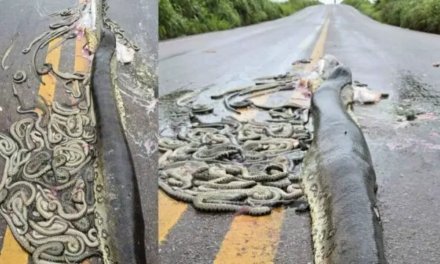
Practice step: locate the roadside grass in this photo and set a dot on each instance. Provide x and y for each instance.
(421, 15)
(187, 17)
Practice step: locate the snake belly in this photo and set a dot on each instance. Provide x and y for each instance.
(118, 213)
(338, 180)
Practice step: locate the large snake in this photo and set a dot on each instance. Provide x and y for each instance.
(339, 180)
(118, 213)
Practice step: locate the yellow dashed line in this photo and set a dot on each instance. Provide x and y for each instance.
(11, 251)
(251, 239)
(318, 51)
(170, 212)
(48, 91)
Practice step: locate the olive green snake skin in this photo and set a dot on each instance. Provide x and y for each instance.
(47, 192)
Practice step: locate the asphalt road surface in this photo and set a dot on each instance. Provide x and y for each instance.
(405, 154)
(24, 21)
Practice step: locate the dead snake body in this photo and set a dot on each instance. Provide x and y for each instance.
(118, 213)
(338, 180)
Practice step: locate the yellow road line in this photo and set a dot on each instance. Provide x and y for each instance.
(253, 240)
(81, 64)
(12, 251)
(48, 91)
(318, 51)
(170, 212)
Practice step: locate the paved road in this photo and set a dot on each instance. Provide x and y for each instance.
(405, 155)
(137, 83)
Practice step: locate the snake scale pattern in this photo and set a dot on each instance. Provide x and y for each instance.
(248, 167)
(65, 168)
(116, 176)
(339, 180)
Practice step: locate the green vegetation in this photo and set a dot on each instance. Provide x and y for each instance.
(422, 15)
(187, 17)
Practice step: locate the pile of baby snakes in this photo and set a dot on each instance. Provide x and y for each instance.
(234, 166)
(46, 191)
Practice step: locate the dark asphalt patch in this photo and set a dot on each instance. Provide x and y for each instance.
(294, 245)
(196, 238)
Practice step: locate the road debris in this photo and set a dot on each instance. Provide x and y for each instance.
(124, 54)
(302, 61)
(363, 95)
